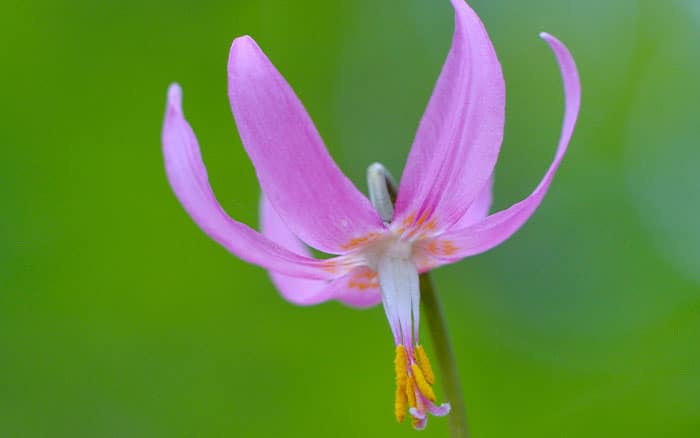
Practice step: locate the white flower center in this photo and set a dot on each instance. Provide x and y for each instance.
(390, 247)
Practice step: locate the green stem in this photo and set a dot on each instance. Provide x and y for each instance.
(445, 357)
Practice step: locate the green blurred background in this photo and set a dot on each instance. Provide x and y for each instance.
(119, 318)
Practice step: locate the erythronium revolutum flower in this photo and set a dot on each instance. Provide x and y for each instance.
(441, 211)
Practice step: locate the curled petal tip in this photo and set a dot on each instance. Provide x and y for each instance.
(440, 411)
(415, 413)
(498, 227)
(551, 40)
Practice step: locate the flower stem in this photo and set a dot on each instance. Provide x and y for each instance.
(445, 357)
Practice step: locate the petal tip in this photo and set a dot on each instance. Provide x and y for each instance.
(458, 3)
(462, 6)
(243, 52)
(174, 95)
(549, 38)
(244, 42)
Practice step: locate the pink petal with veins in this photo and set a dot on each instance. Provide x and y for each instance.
(356, 289)
(498, 227)
(460, 134)
(316, 200)
(189, 180)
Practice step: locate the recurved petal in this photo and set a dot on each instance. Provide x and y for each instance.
(460, 134)
(358, 288)
(188, 178)
(498, 227)
(319, 204)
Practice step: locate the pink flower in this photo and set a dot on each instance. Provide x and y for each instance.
(441, 212)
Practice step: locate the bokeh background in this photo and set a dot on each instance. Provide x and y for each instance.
(119, 318)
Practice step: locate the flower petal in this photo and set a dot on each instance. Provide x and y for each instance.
(479, 208)
(498, 227)
(460, 134)
(355, 289)
(188, 178)
(316, 200)
(305, 292)
(357, 292)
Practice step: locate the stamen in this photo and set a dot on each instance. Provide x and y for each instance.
(400, 404)
(423, 386)
(400, 362)
(411, 393)
(424, 364)
(401, 377)
(413, 389)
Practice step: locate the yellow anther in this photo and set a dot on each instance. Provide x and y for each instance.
(401, 367)
(400, 364)
(424, 365)
(411, 393)
(400, 404)
(423, 386)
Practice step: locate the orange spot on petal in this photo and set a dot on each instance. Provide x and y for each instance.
(424, 217)
(433, 247)
(357, 242)
(330, 267)
(448, 248)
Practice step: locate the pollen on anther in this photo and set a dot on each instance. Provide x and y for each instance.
(411, 393)
(423, 386)
(424, 365)
(400, 364)
(400, 404)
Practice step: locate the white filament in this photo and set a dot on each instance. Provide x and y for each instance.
(398, 279)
